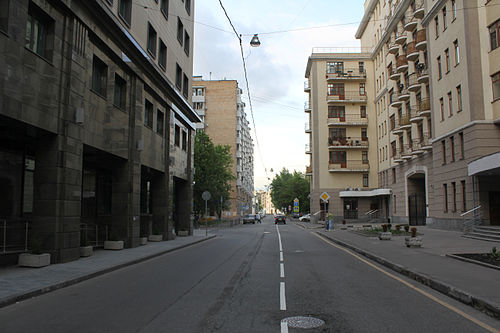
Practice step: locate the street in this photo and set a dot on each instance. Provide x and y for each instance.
(247, 279)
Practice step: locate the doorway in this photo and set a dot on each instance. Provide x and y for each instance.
(494, 208)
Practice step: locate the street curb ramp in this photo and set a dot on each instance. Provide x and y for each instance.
(462, 296)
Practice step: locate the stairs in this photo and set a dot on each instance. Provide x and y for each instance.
(486, 233)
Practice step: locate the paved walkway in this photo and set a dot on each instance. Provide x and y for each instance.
(18, 283)
(470, 283)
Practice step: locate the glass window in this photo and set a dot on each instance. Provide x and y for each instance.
(495, 82)
(159, 122)
(28, 185)
(436, 26)
(336, 111)
(462, 147)
(164, 8)
(188, 6)
(336, 157)
(445, 198)
(148, 114)
(364, 157)
(447, 60)
(365, 180)
(4, 15)
(453, 10)
(440, 72)
(464, 196)
(494, 35)
(177, 136)
(362, 90)
(452, 148)
(187, 40)
(443, 148)
(185, 86)
(151, 40)
(125, 10)
(39, 32)
(441, 106)
(119, 99)
(450, 105)
(335, 67)
(453, 197)
(361, 67)
(362, 110)
(178, 76)
(459, 98)
(336, 89)
(162, 55)
(99, 76)
(180, 30)
(184, 140)
(445, 24)
(364, 135)
(457, 52)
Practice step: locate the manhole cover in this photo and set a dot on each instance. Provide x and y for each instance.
(303, 322)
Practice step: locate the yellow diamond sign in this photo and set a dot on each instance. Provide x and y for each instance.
(324, 196)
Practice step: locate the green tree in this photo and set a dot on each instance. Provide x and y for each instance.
(287, 186)
(213, 173)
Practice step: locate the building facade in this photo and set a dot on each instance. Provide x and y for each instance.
(436, 69)
(96, 126)
(219, 105)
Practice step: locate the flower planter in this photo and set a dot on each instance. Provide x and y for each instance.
(183, 233)
(155, 238)
(86, 251)
(384, 235)
(413, 241)
(113, 245)
(34, 260)
(143, 240)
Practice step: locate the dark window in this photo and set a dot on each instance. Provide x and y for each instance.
(337, 157)
(362, 110)
(495, 83)
(120, 92)
(365, 180)
(125, 10)
(185, 86)
(180, 30)
(394, 175)
(4, 15)
(146, 197)
(445, 23)
(453, 197)
(151, 40)
(28, 184)
(362, 90)
(188, 6)
(336, 111)
(337, 134)
(364, 157)
(436, 26)
(164, 8)
(104, 193)
(335, 89)
(335, 67)
(187, 40)
(159, 122)
(99, 76)
(162, 55)
(464, 196)
(184, 140)
(443, 148)
(361, 67)
(462, 148)
(148, 114)
(494, 35)
(364, 135)
(392, 122)
(393, 148)
(177, 137)
(452, 148)
(445, 198)
(459, 98)
(178, 76)
(440, 72)
(39, 32)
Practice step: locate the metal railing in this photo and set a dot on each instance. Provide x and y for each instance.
(347, 73)
(14, 236)
(469, 223)
(93, 234)
(348, 141)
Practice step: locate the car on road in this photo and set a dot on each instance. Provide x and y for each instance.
(305, 218)
(295, 215)
(250, 218)
(279, 219)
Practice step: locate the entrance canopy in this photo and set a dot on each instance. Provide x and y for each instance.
(485, 166)
(358, 194)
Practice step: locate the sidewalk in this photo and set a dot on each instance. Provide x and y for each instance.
(472, 284)
(19, 283)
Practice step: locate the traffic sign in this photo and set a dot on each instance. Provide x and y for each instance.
(296, 202)
(296, 209)
(206, 195)
(324, 196)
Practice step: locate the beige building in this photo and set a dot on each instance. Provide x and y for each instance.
(219, 105)
(436, 92)
(264, 199)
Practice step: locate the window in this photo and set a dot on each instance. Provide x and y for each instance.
(337, 133)
(364, 135)
(365, 180)
(464, 196)
(184, 140)
(335, 67)
(39, 32)
(459, 98)
(160, 116)
(436, 26)
(187, 40)
(185, 86)
(125, 10)
(450, 105)
(445, 24)
(177, 136)
(151, 40)
(447, 60)
(443, 148)
(440, 73)
(394, 175)
(99, 76)
(494, 35)
(453, 197)
(441, 105)
(335, 89)
(361, 67)
(337, 157)
(120, 92)
(453, 10)
(146, 206)
(495, 83)
(336, 111)
(28, 184)
(452, 148)
(393, 148)
(394, 203)
(180, 31)
(162, 55)
(178, 76)
(4, 15)
(457, 52)
(445, 198)
(462, 147)
(362, 111)
(188, 6)
(148, 114)
(364, 157)
(362, 90)
(164, 8)
(392, 122)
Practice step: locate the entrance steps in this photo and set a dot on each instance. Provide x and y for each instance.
(486, 233)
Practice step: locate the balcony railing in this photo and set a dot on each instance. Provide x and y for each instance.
(349, 166)
(348, 142)
(425, 106)
(308, 170)
(411, 51)
(307, 106)
(308, 148)
(348, 96)
(404, 120)
(307, 87)
(418, 9)
(307, 127)
(401, 63)
(353, 119)
(347, 73)
(421, 40)
(413, 84)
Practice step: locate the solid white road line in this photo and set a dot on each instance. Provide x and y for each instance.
(282, 296)
(284, 327)
(282, 270)
(281, 256)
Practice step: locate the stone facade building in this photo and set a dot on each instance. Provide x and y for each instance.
(96, 127)
(219, 105)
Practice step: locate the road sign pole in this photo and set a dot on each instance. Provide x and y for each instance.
(206, 218)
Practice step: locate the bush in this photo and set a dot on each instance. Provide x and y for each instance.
(398, 227)
(413, 232)
(407, 228)
(384, 227)
(389, 227)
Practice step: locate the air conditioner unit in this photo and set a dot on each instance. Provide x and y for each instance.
(79, 116)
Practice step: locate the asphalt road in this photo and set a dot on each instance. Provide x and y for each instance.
(240, 281)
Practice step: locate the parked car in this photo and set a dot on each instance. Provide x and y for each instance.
(305, 218)
(250, 218)
(295, 215)
(280, 219)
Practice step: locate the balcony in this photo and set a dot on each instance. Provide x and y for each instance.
(349, 166)
(412, 53)
(421, 40)
(351, 74)
(404, 95)
(308, 149)
(393, 74)
(400, 36)
(415, 116)
(397, 158)
(393, 48)
(198, 99)
(348, 143)
(307, 87)
(394, 100)
(347, 97)
(406, 152)
(413, 84)
(425, 107)
(410, 23)
(307, 107)
(307, 127)
(422, 74)
(401, 63)
(419, 9)
(404, 121)
(397, 130)
(308, 171)
(416, 147)
(348, 120)
(426, 142)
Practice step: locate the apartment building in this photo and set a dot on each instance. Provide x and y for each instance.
(219, 105)
(264, 199)
(96, 126)
(342, 134)
(435, 94)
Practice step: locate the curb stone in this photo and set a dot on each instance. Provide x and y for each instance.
(442, 287)
(37, 292)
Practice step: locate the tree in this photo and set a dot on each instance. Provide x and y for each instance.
(213, 173)
(287, 186)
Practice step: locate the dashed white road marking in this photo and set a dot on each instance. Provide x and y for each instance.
(282, 296)
(281, 256)
(282, 270)
(284, 327)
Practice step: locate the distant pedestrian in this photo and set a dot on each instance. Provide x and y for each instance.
(330, 221)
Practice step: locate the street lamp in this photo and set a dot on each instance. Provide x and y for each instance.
(255, 42)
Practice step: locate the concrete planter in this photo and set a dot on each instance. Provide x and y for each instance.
(385, 235)
(183, 233)
(34, 260)
(86, 251)
(143, 240)
(113, 245)
(155, 238)
(413, 241)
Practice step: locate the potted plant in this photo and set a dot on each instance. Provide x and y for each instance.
(406, 227)
(36, 257)
(156, 236)
(86, 250)
(386, 233)
(413, 240)
(113, 242)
